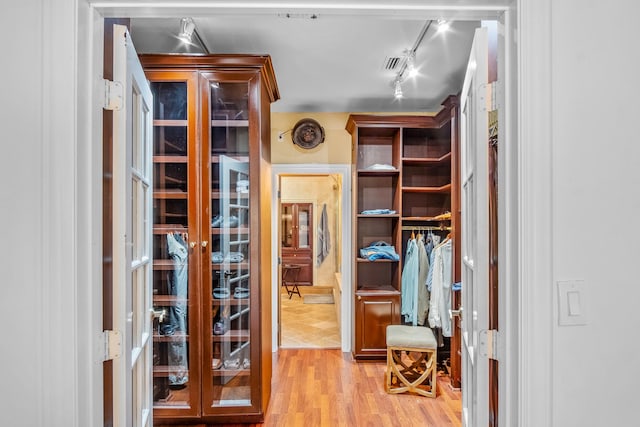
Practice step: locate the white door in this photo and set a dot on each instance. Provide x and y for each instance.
(132, 222)
(475, 237)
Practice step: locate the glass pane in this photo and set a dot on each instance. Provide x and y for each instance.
(171, 382)
(303, 227)
(287, 226)
(229, 118)
(169, 100)
(229, 344)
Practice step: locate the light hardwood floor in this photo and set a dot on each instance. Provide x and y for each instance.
(326, 387)
(317, 387)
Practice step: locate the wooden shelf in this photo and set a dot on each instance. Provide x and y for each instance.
(233, 195)
(418, 161)
(169, 228)
(240, 158)
(378, 216)
(376, 290)
(379, 261)
(218, 230)
(170, 194)
(165, 370)
(436, 190)
(170, 338)
(232, 335)
(163, 122)
(230, 372)
(369, 172)
(169, 159)
(168, 300)
(230, 123)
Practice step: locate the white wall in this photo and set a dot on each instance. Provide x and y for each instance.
(596, 208)
(39, 355)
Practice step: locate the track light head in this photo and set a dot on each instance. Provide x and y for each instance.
(187, 27)
(397, 92)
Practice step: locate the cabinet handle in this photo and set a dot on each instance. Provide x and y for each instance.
(204, 243)
(192, 244)
(359, 297)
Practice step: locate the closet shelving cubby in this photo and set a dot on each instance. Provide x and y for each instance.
(405, 172)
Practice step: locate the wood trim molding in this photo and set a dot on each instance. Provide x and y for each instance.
(535, 360)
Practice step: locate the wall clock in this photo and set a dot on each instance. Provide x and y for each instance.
(307, 134)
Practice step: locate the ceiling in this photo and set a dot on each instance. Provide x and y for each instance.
(331, 63)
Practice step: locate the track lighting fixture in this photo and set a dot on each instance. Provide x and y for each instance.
(397, 88)
(408, 66)
(443, 25)
(187, 27)
(188, 32)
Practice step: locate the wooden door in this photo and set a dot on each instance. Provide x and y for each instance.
(476, 337)
(297, 239)
(132, 188)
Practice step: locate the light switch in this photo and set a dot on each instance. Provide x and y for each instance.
(572, 299)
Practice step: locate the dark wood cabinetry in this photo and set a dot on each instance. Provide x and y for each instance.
(404, 181)
(212, 258)
(297, 239)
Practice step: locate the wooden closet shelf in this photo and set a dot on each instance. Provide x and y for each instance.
(232, 335)
(372, 290)
(442, 189)
(419, 161)
(162, 300)
(168, 228)
(170, 194)
(178, 336)
(378, 216)
(370, 172)
(168, 122)
(230, 123)
(376, 261)
(169, 159)
(230, 372)
(165, 370)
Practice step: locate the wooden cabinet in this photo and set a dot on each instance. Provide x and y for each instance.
(212, 258)
(404, 182)
(297, 239)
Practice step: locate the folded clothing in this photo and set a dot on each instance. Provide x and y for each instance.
(379, 250)
(378, 212)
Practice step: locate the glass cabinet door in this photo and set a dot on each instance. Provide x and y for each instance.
(227, 342)
(173, 385)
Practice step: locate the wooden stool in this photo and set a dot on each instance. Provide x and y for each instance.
(290, 278)
(411, 360)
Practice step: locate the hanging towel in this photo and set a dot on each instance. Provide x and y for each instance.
(324, 239)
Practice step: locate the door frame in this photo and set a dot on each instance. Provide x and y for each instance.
(345, 223)
(76, 32)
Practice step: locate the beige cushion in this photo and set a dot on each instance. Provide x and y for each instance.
(410, 336)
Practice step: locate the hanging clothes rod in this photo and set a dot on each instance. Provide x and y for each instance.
(424, 227)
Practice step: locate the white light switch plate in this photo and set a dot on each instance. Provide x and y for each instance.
(572, 303)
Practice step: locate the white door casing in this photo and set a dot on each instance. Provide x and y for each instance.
(132, 227)
(475, 237)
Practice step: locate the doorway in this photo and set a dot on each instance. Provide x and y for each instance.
(344, 342)
(324, 187)
(309, 230)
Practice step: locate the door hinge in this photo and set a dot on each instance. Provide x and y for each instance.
(489, 343)
(112, 344)
(113, 95)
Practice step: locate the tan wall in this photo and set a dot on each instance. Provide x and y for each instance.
(318, 190)
(336, 148)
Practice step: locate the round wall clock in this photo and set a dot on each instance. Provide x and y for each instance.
(307, 134)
